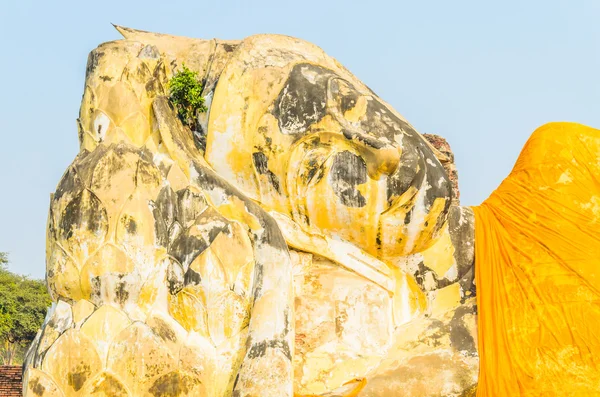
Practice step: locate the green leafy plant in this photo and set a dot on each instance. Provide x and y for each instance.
(23, 306)
(185, 93)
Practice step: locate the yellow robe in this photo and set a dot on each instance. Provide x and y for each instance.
(537, 240)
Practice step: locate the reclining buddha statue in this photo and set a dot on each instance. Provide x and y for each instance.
(303, 240)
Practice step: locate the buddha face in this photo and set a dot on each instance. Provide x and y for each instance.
(319, 146)
(357, 171)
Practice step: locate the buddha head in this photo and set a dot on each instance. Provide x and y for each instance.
(297, 132)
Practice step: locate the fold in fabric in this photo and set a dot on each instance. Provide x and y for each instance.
(537, 253)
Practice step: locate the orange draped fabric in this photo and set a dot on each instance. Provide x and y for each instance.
(537, 253)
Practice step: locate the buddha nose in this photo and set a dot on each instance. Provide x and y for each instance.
(382, 158)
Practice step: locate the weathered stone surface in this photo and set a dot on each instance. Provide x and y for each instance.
(301, 243)
(446, 156)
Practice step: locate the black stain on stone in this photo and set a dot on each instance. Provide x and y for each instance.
(408, 174)
(164, 331)
(199, 136)
(417, 162)
(187, 247)
(77, 378)
(408, 217)
(348, 171)
(69, 184)
(381, 122)
(149, 52)
(260, 162)
(364, 139)
(175, 277)
(214, 232)
(160, 227)
(467, 285)
(460, 337)
(261, 165)
(164, 210)
(190, 205)
(462, 234)
(440, 185)
(438, 330)
(228, 47)
(313, 167)
(152, 87)
(260, 349)
(258, 281)
(121, 292)
(95, 284)
(146, 172)
(236, 393)
(286, 321)
(110, 386)
(191, 277)
(130, 225)
(172, 385)
(420, 275)
(166, 202)
(348, 100)
(423, 272)
(84, 212)
(92, 62)
(36, 387)
(270, 233)
(302, 101)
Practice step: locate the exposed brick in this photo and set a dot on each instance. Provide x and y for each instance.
(11, 381)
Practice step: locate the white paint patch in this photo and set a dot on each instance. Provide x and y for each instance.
(217, 196)
(62, 315)
(309, 74)
(431, 163)
(161, 303)
(221, 145)
(462, 221)
(276, 292)
(384, 139)
(49, 313)
(161, 158)
(565, 177)
(207, 227)
(452, 273)
(410, 263)
(398, 139)
(101, 124)
(204, 117)
(406, 315)
(194, 175)
(594, 206)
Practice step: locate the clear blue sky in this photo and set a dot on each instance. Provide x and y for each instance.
(482, 75)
